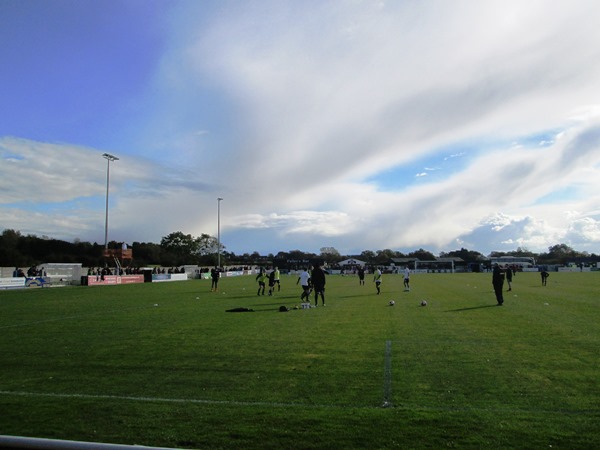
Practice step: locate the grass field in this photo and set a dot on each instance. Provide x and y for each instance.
(163, 364)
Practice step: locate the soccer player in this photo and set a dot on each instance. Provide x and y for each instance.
(304, 280)
(271, 282)
(318, 282)
(215, 274)
(277, 279)
(406, 279)
(545, 276)
(498, 282)
(377, 280)
(361, 275)
(509, 274)
(262, 278)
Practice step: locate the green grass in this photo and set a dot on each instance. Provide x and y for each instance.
(105, 364)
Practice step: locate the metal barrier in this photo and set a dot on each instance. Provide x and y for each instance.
(18, 442)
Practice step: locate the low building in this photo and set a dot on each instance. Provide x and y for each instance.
(351, 262)
(521, 262)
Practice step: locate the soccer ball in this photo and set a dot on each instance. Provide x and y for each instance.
(392, 302)
(423, 302)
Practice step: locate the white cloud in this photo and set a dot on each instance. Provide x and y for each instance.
(41, 173)
(285, 110)
(355, 101)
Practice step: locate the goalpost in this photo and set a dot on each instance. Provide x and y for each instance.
(435, 266)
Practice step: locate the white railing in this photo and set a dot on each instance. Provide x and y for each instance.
(18, 442)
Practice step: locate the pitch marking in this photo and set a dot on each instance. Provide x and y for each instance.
(181, 400)
(387, 376)
(405, 407)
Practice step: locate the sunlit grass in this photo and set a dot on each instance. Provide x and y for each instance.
(166, 365)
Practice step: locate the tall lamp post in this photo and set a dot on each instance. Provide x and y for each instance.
(108, 158)
(219, 232)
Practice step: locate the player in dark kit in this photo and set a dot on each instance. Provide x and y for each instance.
(271, 282)
(318, 282)
(215, 274)
(361, 276)
(498, 282)
(545, 276)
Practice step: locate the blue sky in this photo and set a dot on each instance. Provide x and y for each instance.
(359, 125)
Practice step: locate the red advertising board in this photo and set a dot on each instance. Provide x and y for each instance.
(114, 279)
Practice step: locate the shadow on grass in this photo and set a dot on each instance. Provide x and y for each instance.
(355, 295)
(284, 301)
(278, 304)
(250, 310)
(472, 307)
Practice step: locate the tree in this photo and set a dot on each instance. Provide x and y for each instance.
(89, 255)
(229, 258)
(383, 257)
(423, 255)
(179, 248)
(559, 254)
(147, 253)
(330, 255)
(368, 256)
(523, 252)
(207, 245)
(464, 254)
(10, 254)
(245, 259)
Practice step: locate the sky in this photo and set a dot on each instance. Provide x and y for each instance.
(357, 125)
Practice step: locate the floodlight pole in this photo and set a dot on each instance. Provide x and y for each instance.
(108, 158)
(219, 231)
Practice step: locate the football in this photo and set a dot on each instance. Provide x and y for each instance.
(423, 302)
(392, 302)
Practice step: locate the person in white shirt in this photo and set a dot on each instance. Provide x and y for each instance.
(304, 280)
(377, 280)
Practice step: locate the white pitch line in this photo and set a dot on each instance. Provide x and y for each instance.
(405, 407)
(181, 400)
(387, 376)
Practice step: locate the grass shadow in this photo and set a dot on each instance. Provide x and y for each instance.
(471, 308)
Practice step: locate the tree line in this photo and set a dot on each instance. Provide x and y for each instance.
(178, 249)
